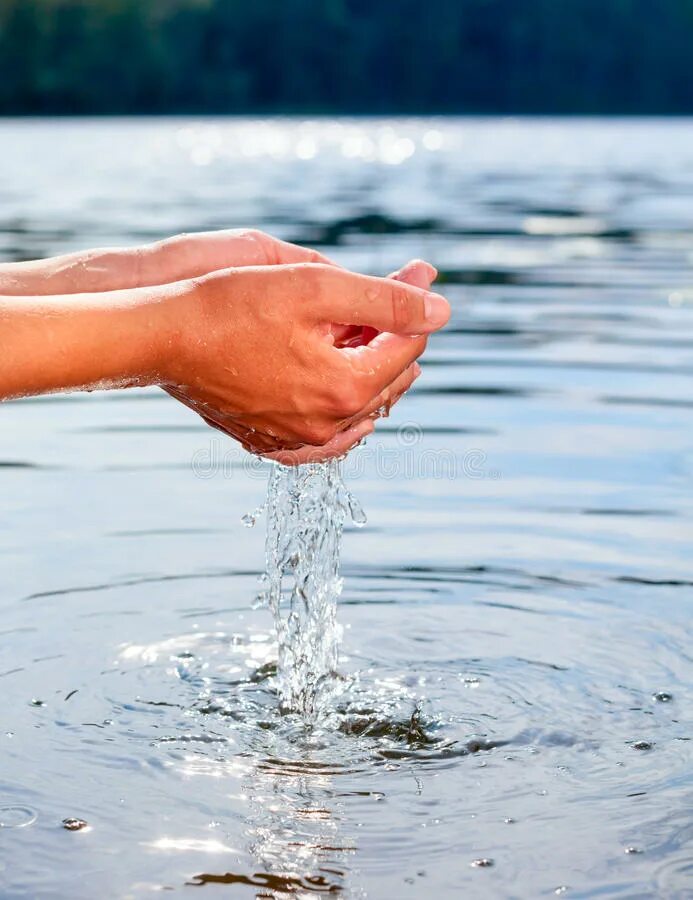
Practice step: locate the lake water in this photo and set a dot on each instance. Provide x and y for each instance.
(517, 653)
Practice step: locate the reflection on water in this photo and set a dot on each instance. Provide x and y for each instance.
(515, 683)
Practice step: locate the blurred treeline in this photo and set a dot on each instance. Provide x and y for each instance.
(127, 56)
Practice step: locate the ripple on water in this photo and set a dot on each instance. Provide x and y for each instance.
(17, 816)
(513, 638)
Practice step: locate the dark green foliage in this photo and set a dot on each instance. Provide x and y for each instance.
(420, 56)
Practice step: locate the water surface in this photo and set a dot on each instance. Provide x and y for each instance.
(517, 653)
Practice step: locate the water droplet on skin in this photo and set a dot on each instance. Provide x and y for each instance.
(663, 697)
(16, 816)
(74, 824)
(482, 863)
(642, 745)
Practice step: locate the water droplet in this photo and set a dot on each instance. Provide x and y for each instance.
(510, 821)
(16, 816)
(356, 511)
(482, 863)
(35, 702)
(663, 697)
(563, 889)
(642, 745)
(630, 851)
(74, 824)
(249, 519)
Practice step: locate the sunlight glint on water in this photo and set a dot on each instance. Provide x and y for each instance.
(306, 510)
(513, 638)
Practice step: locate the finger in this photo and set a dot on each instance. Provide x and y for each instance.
(250, 439)
(420, 274)
(354, 430)
(381, 405)
(417, 273)
(281, 253)
(382, 303)
(376, 365)
(338, 446)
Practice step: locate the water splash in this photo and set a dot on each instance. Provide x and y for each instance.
(307, 507)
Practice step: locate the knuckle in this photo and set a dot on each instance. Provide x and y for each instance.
(315, 279)
(265, 243)
(202, 284)
(313, 256)
(403, 310)
(318, 271)
(183, 238)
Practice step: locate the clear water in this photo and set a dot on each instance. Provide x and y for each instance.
(306, 509)
(515, 612)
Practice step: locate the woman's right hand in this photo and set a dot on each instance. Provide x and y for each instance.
(253, 351)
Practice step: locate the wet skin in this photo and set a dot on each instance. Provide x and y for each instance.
(269, 342)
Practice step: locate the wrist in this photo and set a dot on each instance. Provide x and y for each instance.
(148, 329)
(172, 310)
(189, 323)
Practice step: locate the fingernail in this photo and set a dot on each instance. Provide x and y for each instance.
(417, 370)
(436, 310)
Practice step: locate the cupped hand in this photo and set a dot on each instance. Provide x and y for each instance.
(417, 273)
(267, 355)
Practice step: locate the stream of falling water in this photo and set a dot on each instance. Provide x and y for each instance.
(307, 507)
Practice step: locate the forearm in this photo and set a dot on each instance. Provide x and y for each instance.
(75, 273)
(50, 344)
